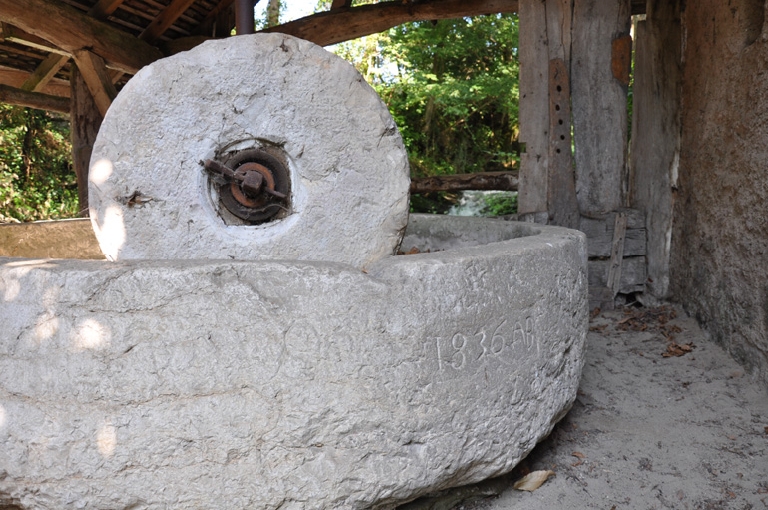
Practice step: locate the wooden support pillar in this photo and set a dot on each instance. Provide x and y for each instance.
(98, 80)
(85, 120)
(599, 103)
(656, 132)
(547, 182)
(534, 111)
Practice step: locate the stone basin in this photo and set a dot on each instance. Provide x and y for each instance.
(288, 384)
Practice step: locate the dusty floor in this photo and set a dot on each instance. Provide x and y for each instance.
(646, 431)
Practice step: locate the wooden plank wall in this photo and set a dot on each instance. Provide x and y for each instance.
(656, 129)
(575, 58)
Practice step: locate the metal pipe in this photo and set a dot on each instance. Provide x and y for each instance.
(244, 17)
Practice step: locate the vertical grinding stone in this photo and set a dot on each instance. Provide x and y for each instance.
(151, 199)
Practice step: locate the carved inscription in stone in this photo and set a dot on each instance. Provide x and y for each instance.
(503, 343)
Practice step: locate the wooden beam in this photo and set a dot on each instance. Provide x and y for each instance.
(18, 97)
(74, 30)
(97, 79)
(333, 27)
(216, 23)
(15, 78)
(19, 36)
(339, 4)
(104, 8)
(502, 181)
(165, 19)
(44, 72)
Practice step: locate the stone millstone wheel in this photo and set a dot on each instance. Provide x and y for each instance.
(323, 174)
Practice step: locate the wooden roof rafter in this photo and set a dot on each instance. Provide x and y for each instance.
(128, 34)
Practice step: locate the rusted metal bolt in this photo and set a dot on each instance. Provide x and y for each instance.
(253, 187)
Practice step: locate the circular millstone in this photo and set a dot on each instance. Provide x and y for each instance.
(150, 197)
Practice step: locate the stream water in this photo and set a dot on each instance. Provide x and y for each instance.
(474, 203)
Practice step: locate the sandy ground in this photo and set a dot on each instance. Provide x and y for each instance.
(646, 431)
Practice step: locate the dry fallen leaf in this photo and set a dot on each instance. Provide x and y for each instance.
(532, 480)
(674, 349)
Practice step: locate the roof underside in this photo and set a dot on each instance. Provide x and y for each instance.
(39, 38)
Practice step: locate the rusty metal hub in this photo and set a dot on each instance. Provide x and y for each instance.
(253, 184)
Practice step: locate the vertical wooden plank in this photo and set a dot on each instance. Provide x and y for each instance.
(85, 120)
(599, 103)
(617, 253)
(656, 129)
(533, 108)
(559, 20)
(561, 188)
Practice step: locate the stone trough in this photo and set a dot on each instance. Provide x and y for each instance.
(288, 362)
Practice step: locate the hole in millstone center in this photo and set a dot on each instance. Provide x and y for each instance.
(252, 185)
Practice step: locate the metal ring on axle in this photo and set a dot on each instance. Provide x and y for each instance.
(259, 189)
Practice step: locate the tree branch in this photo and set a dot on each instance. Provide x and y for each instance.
(340, 25)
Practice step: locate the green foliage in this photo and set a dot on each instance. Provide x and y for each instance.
(500, 204)
(36, 177)
(451, 86)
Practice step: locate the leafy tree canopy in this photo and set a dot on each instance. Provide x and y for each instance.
(451, 86)
(36, 177)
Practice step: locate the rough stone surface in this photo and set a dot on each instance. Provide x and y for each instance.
(209, 384)
(719, 261)
(349, 170)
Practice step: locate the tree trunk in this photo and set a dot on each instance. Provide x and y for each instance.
(273, 13)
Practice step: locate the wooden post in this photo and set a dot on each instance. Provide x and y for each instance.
(617, 253)
(599, 104)
(534, 111)
(85, 120)
(561, 188)
(656, 132)
(547, 188)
